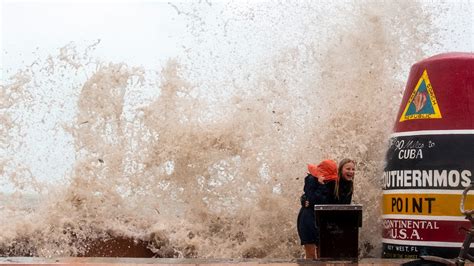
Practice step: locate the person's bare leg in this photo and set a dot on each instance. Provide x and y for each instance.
(310, 251)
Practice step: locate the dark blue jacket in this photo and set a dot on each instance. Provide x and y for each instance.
(315, 193)
(345, 192)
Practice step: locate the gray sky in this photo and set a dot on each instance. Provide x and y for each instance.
(141, 32)
(126, 29)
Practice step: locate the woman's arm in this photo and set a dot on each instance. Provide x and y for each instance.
(316, 193)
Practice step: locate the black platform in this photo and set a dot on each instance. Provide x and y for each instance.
(338, 230)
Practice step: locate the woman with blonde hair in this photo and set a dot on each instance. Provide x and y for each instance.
(344, 185)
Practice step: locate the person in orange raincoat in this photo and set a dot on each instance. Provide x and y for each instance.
(319, 187)
(323, 185)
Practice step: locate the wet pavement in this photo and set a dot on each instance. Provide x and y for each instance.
(195, 262)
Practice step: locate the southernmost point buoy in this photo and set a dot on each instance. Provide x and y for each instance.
(430, 160)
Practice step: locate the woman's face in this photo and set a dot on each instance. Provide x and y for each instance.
(348, 171)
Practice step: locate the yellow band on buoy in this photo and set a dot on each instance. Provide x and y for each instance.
(425, 204)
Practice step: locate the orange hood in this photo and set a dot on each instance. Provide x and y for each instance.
(326, 169)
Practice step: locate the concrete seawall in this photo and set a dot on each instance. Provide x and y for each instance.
(194, 262)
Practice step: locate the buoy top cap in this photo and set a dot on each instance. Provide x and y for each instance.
(438, 94)
(448, 56)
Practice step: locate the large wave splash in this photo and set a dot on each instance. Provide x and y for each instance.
(206, 157)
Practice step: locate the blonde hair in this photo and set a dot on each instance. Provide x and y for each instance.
(339, 174)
